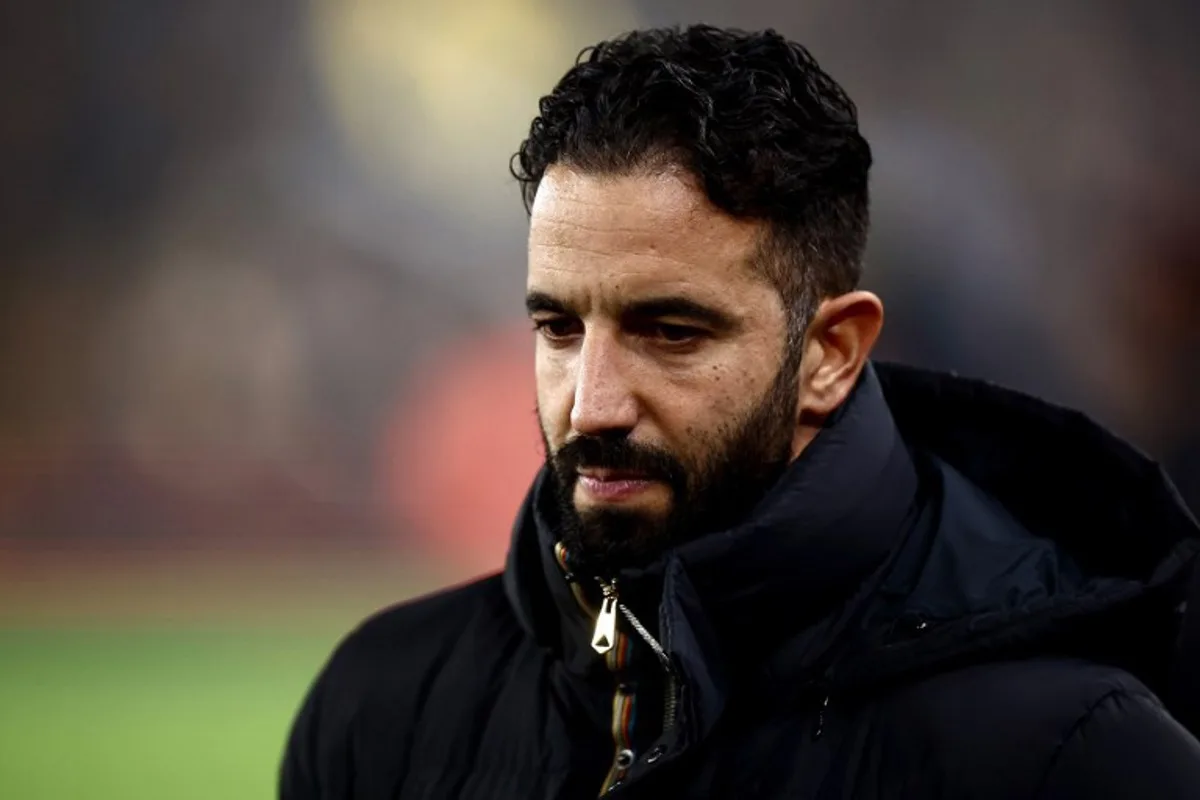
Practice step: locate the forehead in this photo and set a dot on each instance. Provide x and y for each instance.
(629, 233)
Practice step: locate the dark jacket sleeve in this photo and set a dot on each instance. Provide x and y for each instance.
(1126, 746)
(316, 753)
(298, 772)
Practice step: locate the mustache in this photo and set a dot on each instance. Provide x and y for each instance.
(596, 452)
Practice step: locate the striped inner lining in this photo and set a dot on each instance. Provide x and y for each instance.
(624, 708)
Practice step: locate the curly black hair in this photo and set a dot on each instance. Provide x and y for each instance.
(767, 132)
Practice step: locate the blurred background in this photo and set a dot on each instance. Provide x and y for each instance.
(263, 362)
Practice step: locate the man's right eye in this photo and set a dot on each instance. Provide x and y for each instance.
(557, 328)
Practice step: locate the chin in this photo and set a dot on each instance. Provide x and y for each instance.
(651, 515)
(619, 537)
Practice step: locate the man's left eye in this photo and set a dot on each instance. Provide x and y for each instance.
(676, 333)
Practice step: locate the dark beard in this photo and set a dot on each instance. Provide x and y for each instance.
(741, 463)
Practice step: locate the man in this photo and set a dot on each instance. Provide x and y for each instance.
(756, 565)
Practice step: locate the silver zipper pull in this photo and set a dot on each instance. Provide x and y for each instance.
(605, 636)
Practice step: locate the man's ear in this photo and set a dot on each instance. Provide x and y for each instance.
(836, 349)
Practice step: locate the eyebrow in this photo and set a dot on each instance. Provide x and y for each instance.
(649, 308)
(542, 303)
(680, 307)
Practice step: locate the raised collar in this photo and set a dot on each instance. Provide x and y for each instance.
(728, 599)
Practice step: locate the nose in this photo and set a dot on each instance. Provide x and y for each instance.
(605, 403)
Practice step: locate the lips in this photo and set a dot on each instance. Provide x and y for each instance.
(607, 475)
(613, 485)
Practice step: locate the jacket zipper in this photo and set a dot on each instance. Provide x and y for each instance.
(604, 637)
(613, 646)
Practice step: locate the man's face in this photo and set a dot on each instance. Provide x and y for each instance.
(663, 396)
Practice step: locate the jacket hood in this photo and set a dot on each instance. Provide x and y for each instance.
(1046, 534)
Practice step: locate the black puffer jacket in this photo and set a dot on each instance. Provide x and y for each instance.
(957, 592)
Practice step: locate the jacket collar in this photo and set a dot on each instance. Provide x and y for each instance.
(726, 600)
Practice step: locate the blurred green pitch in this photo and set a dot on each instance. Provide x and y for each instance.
(148, 714)
(119, 704)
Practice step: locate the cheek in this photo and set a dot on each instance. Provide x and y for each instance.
(555, 390)
(704, 407)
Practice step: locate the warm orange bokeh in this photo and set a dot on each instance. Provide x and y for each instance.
(461, 451)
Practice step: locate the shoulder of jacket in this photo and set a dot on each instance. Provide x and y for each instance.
(993, 729)
(1045, 677)
(430, 614)
(1005, 707)
(393, 650)
(395, 671)
(1043, 691)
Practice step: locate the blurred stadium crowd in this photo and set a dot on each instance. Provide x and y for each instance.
(263, 262)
